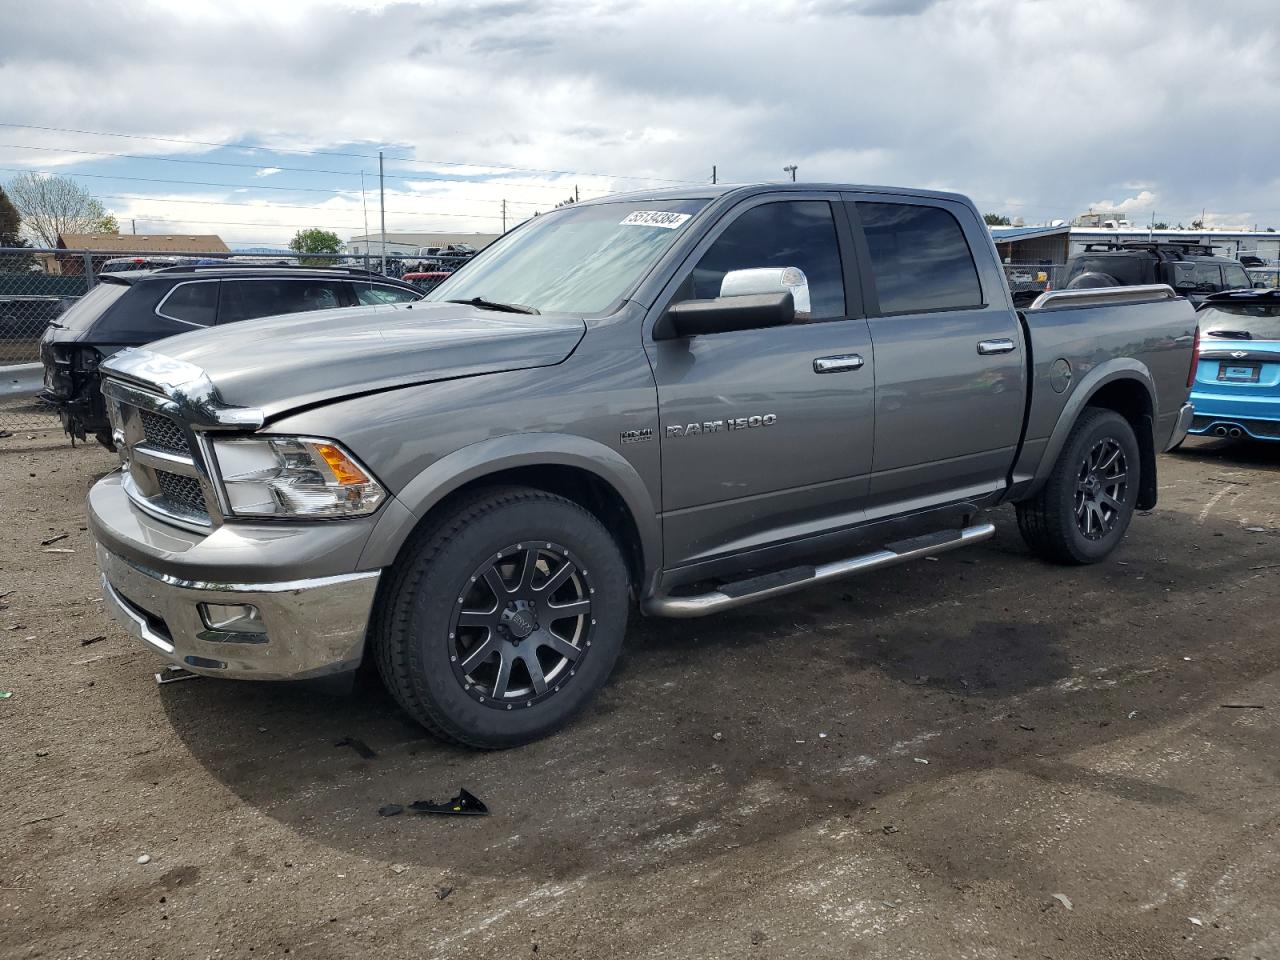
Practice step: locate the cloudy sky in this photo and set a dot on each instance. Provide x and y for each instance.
(253, 119)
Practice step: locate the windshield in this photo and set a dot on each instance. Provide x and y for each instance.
(1240, 321)
(574, 260)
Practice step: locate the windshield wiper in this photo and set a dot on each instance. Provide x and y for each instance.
(495, 305)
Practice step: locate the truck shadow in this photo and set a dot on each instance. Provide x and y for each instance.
(719, 734)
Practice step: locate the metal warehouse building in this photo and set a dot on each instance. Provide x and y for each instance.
(1043, 245)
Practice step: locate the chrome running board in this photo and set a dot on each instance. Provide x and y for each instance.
(738, 594)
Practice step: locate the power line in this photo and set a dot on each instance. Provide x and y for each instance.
(337, 153)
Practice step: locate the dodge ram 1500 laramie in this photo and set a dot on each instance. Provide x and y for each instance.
(686, 399)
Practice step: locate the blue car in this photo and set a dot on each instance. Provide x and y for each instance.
(1237, 383)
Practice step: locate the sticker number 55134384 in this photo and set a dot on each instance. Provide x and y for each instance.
(655, 218)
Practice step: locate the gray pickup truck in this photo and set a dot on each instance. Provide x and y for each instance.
(688, 400)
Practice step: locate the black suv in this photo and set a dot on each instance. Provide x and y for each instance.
(1190, 268)
(130, 309)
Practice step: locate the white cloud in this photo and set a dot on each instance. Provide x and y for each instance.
(266, 171)
(1048, 102)
(1144, 202)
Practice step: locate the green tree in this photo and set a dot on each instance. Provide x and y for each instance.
(52, 206)
(1197, 224)
(996, 219)
(316, 240)
(1159, 225)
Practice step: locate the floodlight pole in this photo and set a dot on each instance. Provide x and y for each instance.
(791, 169)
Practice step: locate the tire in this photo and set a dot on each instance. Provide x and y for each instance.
(1082, 512)
(468, 673)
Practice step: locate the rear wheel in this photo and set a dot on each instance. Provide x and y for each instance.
(504, 619)
(1082, 512)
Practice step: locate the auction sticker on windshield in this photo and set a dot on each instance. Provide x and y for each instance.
(656, 218)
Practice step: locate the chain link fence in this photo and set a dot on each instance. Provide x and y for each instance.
(38, 285)
(1028, 280)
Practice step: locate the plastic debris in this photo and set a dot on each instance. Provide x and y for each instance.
(465, 804)
(1063, 899)
(175, 674)
(390, 810)
(442, 892)
(1197, 921)
(100, 637)
(398, 868)
(717, 736)
(920, 760)
(5, 694)
(1243, 706)
(144, 859)
(58, 550)
(52, 540)
(358, 745)
(1133, 714)
(1255, 529)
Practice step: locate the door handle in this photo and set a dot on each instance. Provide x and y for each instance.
(849, 361)
(987, 348)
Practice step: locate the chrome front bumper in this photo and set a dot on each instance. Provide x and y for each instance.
(314, 628)
(1185, 417)
(314, 608)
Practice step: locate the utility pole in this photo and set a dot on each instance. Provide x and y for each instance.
(713, 173)
(575, 193)
(135, 226)
(382, 208)
(504, 216)
(364, 202)
(791, 169)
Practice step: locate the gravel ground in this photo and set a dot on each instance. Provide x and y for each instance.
(982, 756)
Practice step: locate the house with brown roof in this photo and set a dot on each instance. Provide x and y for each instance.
(105, 246)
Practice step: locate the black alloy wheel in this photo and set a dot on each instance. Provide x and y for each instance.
(523, 627)
(1102, 487)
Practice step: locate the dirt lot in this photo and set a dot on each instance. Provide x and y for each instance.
(912, 764)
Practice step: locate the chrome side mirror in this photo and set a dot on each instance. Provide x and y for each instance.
(757, 280)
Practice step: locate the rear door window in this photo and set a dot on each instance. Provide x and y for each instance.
(269, 297)
(919, 258)
(195, 303)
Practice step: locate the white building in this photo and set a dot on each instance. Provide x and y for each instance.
(410, 242)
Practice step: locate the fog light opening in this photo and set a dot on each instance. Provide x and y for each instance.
(232, 617)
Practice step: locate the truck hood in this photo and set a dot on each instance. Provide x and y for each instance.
(278, 364)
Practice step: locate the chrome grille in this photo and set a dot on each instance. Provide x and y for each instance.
(181, 491)
(162, 432)
(163, 472)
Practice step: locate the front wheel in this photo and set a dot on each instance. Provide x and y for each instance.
(1082, 512)
(503, 619)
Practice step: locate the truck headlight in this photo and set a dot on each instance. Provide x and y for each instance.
(294, 477)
